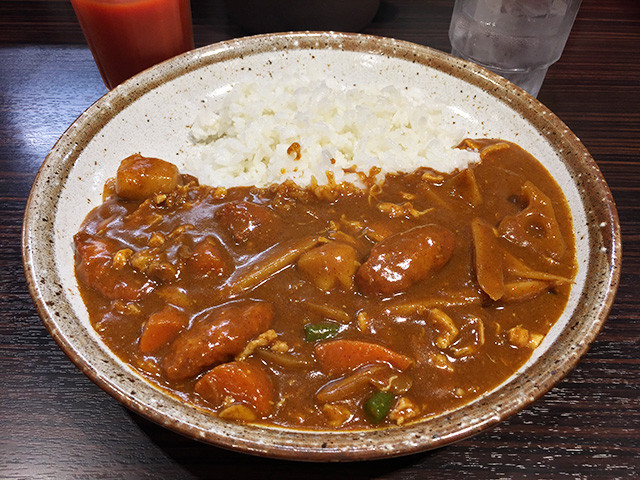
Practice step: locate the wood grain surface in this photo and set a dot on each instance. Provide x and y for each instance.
(55, 423)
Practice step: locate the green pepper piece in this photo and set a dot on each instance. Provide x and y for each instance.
(378, 406)
(320, 331)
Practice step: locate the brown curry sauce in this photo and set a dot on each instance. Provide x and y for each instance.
(296, 307)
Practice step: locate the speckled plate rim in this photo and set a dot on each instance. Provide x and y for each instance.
(603, 269)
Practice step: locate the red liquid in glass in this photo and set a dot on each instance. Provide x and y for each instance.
(128, 36)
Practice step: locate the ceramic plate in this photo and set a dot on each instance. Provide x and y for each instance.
(151, 114)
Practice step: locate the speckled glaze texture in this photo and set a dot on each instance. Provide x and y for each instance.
(151, 114)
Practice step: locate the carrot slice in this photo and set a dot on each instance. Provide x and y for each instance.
(161, 328)
(242, 381)
(342, 356)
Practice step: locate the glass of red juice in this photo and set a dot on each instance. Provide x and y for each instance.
(128, 36)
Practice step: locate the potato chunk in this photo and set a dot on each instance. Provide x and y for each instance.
(139, 177)
(330, 265)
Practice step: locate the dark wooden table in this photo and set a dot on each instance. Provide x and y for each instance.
(55, 423)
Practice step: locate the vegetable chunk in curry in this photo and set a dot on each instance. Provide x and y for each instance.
(333, 306)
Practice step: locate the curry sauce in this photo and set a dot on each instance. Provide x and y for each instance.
(331, 306)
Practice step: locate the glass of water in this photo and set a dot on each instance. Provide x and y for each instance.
(517, 39)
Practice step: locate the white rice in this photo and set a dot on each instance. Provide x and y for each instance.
(245, 141)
